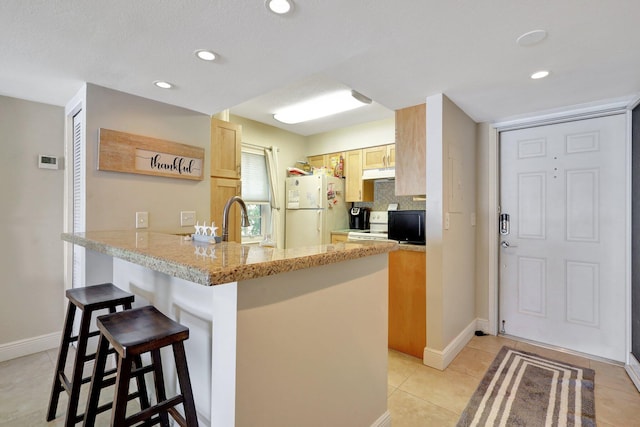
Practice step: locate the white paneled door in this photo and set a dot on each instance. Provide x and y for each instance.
(563, 261)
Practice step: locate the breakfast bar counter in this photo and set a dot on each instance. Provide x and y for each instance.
(277, 337)
(219, 263)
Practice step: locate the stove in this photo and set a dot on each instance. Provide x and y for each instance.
(378, 229)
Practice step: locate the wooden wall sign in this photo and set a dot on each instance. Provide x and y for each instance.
(126, 152)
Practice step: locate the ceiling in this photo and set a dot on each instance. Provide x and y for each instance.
(395, 52)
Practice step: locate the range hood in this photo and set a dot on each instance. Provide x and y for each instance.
(384, 173)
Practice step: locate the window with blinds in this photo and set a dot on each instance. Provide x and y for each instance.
(256, 194)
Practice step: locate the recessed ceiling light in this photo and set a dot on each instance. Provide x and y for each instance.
(322, 106)
(205, 55)
(531, 38)
(279, 7)
(162, 84)
(540, 74)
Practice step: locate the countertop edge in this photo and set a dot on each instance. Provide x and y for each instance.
(176, 269)
(332, 253)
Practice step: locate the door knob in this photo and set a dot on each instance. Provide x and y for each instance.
(506, 245)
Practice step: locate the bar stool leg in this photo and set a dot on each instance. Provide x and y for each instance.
(57, 387)
(158, 379)
(143, 396)
(96, 383)
(140, 381)
(76, 379)
(185, 384)
(119, 411)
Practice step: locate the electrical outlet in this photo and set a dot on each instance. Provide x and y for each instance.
(187, 218)
(142, 219)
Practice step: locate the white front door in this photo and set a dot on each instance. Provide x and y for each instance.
(563, 262)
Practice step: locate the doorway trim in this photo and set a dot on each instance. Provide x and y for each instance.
(606, 108)
(632, 365)
(74, 106)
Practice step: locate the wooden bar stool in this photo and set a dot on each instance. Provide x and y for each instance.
(88, 300)
(132, 333)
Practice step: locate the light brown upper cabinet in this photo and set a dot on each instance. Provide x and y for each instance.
(329, 161)
(316, 161)
(226, 140)
(222, 189)
(383, 156)
(356, 190)
(411, 142)
(332, 160)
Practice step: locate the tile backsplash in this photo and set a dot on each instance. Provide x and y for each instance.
(384, 193)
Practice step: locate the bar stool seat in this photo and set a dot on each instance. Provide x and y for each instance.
(88, 300)
(132, 333)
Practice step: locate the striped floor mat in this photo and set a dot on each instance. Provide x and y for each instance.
(524, 389)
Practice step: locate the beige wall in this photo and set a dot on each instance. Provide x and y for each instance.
(369, 134)
(451, 165)
(113, 198)
(292, 148)
(30, 221)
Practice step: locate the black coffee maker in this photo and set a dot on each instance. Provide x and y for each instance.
(359, 218)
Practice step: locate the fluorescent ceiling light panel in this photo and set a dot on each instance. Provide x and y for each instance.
(323, 106)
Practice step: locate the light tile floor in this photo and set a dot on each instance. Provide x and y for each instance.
(25, 387)
(417, 395)
(421, 396)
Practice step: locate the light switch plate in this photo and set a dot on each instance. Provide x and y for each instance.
(187, 218)
(142, 219)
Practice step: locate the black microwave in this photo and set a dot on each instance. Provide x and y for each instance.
(407, 226)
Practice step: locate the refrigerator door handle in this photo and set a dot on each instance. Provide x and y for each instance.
(319, 202)
(319, 218)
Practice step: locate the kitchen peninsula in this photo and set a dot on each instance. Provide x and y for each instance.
(277, 337)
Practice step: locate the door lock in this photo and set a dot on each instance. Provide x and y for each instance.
(504, 224)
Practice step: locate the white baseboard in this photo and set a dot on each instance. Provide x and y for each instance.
(383, 421)
(482, 325)
(441, 359)
(29, 346)
(633, 370)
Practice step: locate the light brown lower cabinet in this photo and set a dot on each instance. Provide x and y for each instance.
(339, 237)
(408, 302)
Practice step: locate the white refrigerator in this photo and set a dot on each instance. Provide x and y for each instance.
(315, 206)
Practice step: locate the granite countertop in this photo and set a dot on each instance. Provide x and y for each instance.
(346, 231)
(401, 246)
(411, 247)
(217, 263)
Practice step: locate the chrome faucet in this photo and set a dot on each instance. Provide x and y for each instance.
(225, 216)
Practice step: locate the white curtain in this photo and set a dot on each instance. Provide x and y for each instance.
(271, 156)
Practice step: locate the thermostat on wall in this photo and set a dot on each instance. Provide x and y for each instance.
(47, 162)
